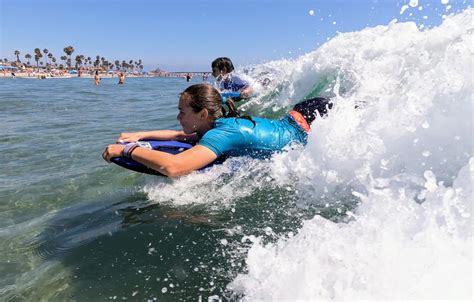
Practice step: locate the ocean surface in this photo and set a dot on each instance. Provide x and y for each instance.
(378, 205)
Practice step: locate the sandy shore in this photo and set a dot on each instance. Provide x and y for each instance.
(37, 75)
(32, 75)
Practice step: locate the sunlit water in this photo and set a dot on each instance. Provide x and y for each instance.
(378, 205)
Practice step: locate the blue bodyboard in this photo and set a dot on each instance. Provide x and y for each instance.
(172, 147)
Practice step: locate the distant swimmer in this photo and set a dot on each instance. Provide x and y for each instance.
(121, 78)
(227, 81)
(188, 77)
(218, 132)
(97, 78)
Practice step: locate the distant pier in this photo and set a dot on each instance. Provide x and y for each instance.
(179, 74)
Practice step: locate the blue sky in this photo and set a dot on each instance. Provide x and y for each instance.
(186, 35)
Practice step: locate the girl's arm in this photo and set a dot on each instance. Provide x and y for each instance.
(165, 163)
(158, 135)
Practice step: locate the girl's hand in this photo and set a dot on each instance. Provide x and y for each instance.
(115, 150)
(130, 137)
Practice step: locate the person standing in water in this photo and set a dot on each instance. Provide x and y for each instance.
(97, 78)
(228, 81)
(121, 78)
(218, 132)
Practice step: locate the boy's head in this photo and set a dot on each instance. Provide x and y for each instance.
(221, 66)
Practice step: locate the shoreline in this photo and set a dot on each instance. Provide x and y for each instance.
(43, 75)
(25, 75)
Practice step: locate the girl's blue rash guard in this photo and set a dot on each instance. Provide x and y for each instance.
(240, 137)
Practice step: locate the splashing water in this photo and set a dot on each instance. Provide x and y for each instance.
(394, 160)
(406, 153)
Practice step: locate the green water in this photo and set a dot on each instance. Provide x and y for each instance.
(74, 228)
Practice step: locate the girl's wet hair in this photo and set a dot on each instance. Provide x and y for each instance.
(313, 107)
(205, 96)
(223, 64)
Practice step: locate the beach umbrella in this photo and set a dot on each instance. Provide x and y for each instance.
(73, 71)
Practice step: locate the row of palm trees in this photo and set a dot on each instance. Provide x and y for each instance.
(49, 61)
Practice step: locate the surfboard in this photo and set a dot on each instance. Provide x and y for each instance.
(172, 147)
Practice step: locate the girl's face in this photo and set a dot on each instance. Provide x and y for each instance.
(217, 74)
(190, 121)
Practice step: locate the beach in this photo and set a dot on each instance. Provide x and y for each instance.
(63, 75)
(88, 75)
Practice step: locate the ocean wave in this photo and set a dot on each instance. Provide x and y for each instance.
(399, 140)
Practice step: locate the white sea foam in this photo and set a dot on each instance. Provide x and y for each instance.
(392, 248)
(406, 153)
(219, 186)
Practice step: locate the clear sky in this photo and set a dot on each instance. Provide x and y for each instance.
(186, 35)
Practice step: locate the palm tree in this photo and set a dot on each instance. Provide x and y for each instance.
(50, 56)
(28, 57)
(102, 62)
(69, 50)
(63, 58)
(38, 56)
(140, 65)
(104, 65)
(78, 60)
(45, 51)
(97, 61)
(17, 54)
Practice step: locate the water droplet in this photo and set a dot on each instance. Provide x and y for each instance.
(413, 3)
(268, 231)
